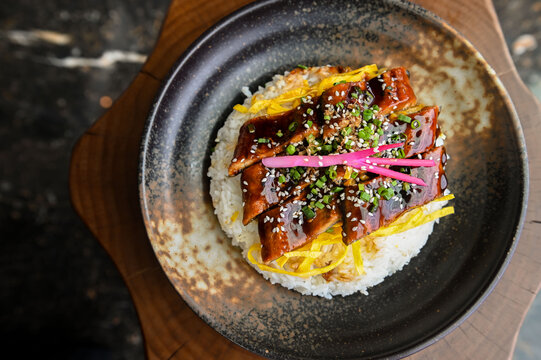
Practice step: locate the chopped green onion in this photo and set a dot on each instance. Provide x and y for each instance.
(251, 128)
(290, 149)
(354, 174)
(380, 131)
(367, 114)
(340, 105)
(394, 182)
(375, 201)
(310, 138)
(337, 189)
(279, 133)
(295, 174)
(373, 208)
(327, 117)
(346, 131)
(400, 154)
(309, 111)
(381, 189)
(330, 230)
(348, 145)
(363, 135)
(375, 108)
(309, 123)
(262, 141)
(404, 118)
(323, 178)
(302, 66)
(406, 186)
(365, 196)
(309, 213)
(281, 179)
(387, 194)
(293, 126)
(356, 112)
(332, 174)
(320, 183)
(327, 147)
(326, 199)
(415, 124)
(361, 187)
(315, 191)
(354, 95)
(319, 205)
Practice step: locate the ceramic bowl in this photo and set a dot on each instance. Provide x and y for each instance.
(464, 257)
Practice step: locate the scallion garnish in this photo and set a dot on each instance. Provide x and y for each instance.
(365, 196)
(363, 135)
(262, 140)
(309, 123)
(281, 179)
(319, 205)
(309, 213)
(290, 149)
(367, 114)
(251, 128)
(302, 66)
(404, 118)
(279, 133)
(346, 131)
(327, 117)
(337, 189)
(309, 111)
(415, 124)
(292, 126)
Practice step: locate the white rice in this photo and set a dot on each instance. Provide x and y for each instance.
(393, 252)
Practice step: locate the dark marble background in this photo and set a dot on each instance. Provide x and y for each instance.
(62, 63)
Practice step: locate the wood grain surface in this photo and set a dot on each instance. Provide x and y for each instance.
(104, 191)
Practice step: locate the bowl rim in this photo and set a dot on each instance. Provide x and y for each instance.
(416, 9)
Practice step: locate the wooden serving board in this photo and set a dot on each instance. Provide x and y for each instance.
(104, 191)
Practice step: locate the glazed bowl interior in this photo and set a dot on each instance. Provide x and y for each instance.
(463, 258)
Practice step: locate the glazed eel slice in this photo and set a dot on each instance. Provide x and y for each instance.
(364, 217)
(267, 136)
(390, 91)
(285, 228)
(262, 189)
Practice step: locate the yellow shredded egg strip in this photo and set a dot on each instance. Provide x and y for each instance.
(257, 247)
(357, 257)
(276, 105)
(312, 251)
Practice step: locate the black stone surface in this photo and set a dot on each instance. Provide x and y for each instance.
(60, 294)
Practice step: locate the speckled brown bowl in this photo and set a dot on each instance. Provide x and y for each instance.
(464, 257)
